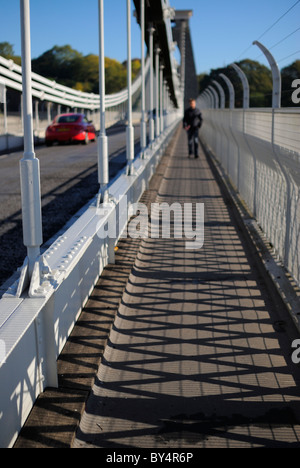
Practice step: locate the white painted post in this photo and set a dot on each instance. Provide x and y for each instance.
(216, 96)
(157, 71)
(4, 102)
(49, 112)
(210, 98)
(245, 83)
(103, 164)
(130, 129)
(37, 118)
(276, 99)
(151, 118)
(143, 97)
(166, 105)
(29, 165)
(230, 89)
(5, 111)
(22, 113)
(161, 99)
(222, 94)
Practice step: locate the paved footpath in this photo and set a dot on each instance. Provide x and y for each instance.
(200, 351)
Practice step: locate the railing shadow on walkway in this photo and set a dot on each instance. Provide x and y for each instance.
(243, 389)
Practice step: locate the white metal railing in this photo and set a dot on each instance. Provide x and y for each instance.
(48, 90)
(260, 151)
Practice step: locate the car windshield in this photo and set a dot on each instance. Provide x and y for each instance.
(68, 119)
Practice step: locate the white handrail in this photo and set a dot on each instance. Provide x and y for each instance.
(48, 90)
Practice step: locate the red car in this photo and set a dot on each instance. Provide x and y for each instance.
(70, 128)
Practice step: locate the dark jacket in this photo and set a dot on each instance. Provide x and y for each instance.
(192, 118)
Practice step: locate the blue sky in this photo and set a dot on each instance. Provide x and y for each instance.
(222, 30)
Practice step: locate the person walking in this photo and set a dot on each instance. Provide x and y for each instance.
(192, 122)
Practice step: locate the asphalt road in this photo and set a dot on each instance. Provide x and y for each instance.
(68, 181)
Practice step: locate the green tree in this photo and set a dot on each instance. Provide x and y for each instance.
(136, 67)
(7, 51)
(115, 76)
(59, 63)
(86, 72)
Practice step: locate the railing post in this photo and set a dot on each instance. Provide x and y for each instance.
(29, 165)
(161, 98)
(230, 89)
(22, 113)
(103, 164)
(210, 98)
(143, 118)
(166, 105)
(276, 98)
(4, 102)
(245, 83)
(216, 97)
(222, 94)
(203, 101)
(157, 72)
(49, 112)
(151, 118)
(130, 129)
(37, 118)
